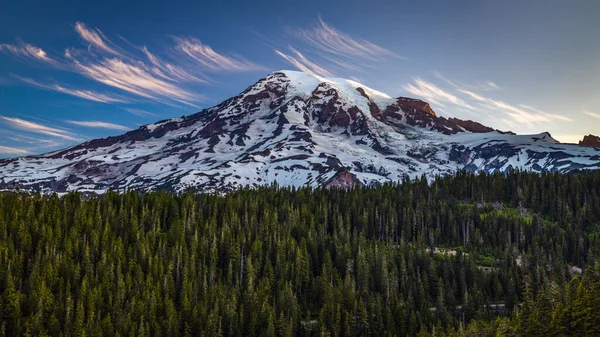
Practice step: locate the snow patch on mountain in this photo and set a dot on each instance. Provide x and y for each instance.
(295, 129)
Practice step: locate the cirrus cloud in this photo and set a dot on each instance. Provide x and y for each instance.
(12, 150)
(485, 86)
(99, 124)
(27, 51)
(170, 71)
(329, 48)
(85, 94)
(522, 113)
(136, 71)
(465, 99)
(33, 143)
(210, 59)
(434, 94)
(302, 63)
(332, 41)
(95, 38)
(140, 112)
(135, 79)
(591, 114)
(39, 128)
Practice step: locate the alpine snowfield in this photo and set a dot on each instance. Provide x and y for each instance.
(294, 129)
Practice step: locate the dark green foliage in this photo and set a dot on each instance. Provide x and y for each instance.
(465, 255)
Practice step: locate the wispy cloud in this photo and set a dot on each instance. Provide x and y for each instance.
(508, 114)
(485, 86)
(170, 71)
(26, 143)
(529, 107)
(159, 80)
(330, 40)
(135, 79)
(592, 114)
(99, 124)
(95, 38)
(302, 63)
(39, 128)
(12, 150)
(474, 96)
(165, 78)
(522, 113)
(334, 49)
(210, 59)
(33, 143)
(27, 51)
(493, 85)
(339, 63)
(434, 94)
(140, 112)
(85, 94)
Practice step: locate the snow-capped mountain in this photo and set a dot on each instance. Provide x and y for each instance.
(295, 129)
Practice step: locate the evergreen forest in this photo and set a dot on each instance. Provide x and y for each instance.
(513, 254)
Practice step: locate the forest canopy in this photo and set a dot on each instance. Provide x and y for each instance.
(487, 254)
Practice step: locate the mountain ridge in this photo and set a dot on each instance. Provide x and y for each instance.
(590, 140)
(295, 129)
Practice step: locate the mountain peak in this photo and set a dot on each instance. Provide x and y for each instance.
(295, 129)
(590, 140)
(304, 84)
(547, 137)
(413, 104)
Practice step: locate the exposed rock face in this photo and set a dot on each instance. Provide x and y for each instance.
(471, 126)
(297, 130)
(343, 180)
(590, 140)
(415, 106)
(419, 113)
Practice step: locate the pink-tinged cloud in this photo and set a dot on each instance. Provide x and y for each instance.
(95, 38)
(434, 94)
(39, 128)
(135, 79)
(210, 59)
(27, 51)
(12, 150)
(164, 80)
(169, 71)
(302, 63)
(591, 114)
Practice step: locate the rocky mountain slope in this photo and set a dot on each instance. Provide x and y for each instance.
(294, 129)
(590, 140)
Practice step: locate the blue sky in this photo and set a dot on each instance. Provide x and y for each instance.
(75, 70)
